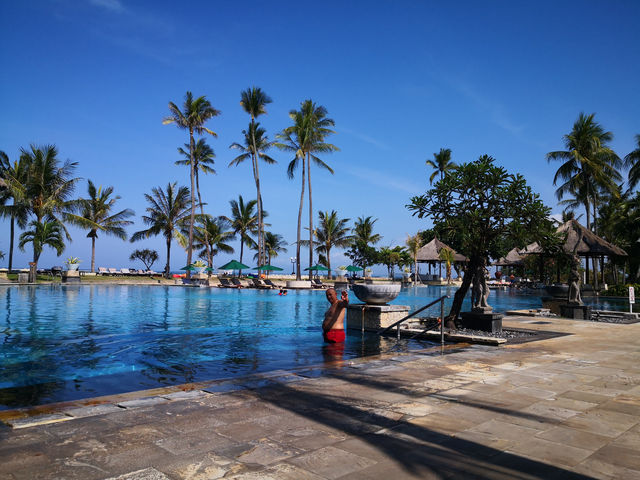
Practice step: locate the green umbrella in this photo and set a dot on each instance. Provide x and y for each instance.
(269, 268)
(353, 268)
(317, 268)
(234, 265)
(189, 268)
(208, 269)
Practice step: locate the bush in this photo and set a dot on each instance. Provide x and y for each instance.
(622, 290)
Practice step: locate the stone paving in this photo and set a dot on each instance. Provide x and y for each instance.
(565, 407)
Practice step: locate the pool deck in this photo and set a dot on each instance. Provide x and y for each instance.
(564, 407)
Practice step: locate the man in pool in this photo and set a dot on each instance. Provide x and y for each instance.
(333, 325)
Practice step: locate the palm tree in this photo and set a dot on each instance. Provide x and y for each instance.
(194, 114)
(97, 210)
(253, 100)
(217, 232)
(441, 163)
(447, 256)
(589, 164)
(363, 230)
(305, 138)
(166, 212)
(14, 178)
(413, 244)
(331, 232)
(274, 244)
(632, 162)
(43, 234)
(203, 157)
(244, 221)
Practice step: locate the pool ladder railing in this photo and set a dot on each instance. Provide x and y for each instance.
(413, 314)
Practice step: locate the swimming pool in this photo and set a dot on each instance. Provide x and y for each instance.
(61, 343)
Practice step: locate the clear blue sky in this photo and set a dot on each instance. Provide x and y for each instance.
(401, 80)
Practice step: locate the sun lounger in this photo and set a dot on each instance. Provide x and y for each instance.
(102, 271)
(317, 283)
(269, 283)
(225, 283)
(125, 271)
(112, 271)
(260, 284)
(237, 282)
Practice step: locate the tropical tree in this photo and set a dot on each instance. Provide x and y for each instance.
(43, 234)
(166, 212)
(332, 232)
(447, 256)
(632, 162)
(97, 210)
(363, 230)
(413, 244)
(193, 116)
(274, 244)
(306, 138)
(393, 256)
(217, 231)
(146, 256)
(203, 159)
(253, 101)
(13, 177)
(244, 222)
(441, 164)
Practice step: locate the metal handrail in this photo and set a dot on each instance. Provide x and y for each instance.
(412, 314)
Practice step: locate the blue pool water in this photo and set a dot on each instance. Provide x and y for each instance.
(62, 343)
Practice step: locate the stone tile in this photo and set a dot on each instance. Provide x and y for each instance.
(191, 394)
(281, 471)
(414, 409)
(92, 410)
(441, 423)
(621, 407)
(602, 422)
(267, 452)
(477, 444)
(245, 431)
(145, 474)
(575, 438)
(624, 457)
(585, 396)
(193, 443)
(503, 430)
(629, 439)
(143, 402)
(331, 462)
(307, 438)
(534, 392)
(571, 404)
(604, 469)
(36, 420)
(202, 467)
(549, 410)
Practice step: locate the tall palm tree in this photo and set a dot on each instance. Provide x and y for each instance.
(632, 162)
(254, 100)
(194, 114)
(589, 165)
(203, 159)
(97, 210)
(306, 138)
(363, 230)
(43, 234)
(217, 232)
(14, 177)
(244, 221)
(332, 232)
(441, 163)
(166, 212)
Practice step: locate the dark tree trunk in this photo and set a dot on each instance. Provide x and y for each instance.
(193, 201)
(458, 297)
(12, 233)
(298, 274)
(93, 253)
(310, 216)
(167, 268)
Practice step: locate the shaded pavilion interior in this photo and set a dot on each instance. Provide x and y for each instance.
(430, 254)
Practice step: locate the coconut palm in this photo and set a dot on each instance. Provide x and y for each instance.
(97, 210)
(244, 221)
(332, 232)
(13, 177)
(203, 159)
(217, 231)
(306, 138)
(589, 165)
(632, 162)
(441, 163)
(413, 244)
(363, 231)
(254, 100)
(43, 234)
(447, 256)
(194, 114)
(166, 212)
(274, 244)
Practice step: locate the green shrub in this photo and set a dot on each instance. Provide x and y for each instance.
(622, 290)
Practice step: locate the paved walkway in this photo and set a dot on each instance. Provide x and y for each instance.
(566, 407)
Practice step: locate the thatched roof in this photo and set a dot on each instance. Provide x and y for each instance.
(582, 241)
(513, 258)
(431, 252)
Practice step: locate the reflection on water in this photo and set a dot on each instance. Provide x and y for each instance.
(67, 342)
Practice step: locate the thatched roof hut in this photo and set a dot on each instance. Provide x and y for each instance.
(512, 259)
(582, 241)
(431, 252)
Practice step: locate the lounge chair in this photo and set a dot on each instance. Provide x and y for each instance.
(317, 283)
(112, 271)
(125, 271)
(237, 282)
(260, 284)
(102, 271)
(269, 283)
(225, 283)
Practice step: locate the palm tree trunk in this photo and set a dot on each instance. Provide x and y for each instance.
(192, 147)
(93, 254)
(256, 176)
(310, 215)
(298, 275)
(206, 233)
(12, 233)
(241, 251)
(595, 259)
(328, 249)
(167, 268)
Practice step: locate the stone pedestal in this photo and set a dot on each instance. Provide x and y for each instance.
(374, 317)
(23, 277)
(293, 284)
(340, 285)
(477, 320)
(71, 276)
(575, 312)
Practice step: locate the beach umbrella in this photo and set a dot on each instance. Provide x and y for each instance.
(188, 268)
(269, 268)
(208, 269)
(234, 265)
(316, 268)
(353, 268)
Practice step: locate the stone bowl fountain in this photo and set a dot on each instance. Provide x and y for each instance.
(379, 294)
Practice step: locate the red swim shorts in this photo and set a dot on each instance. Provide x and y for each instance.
(334, 336)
